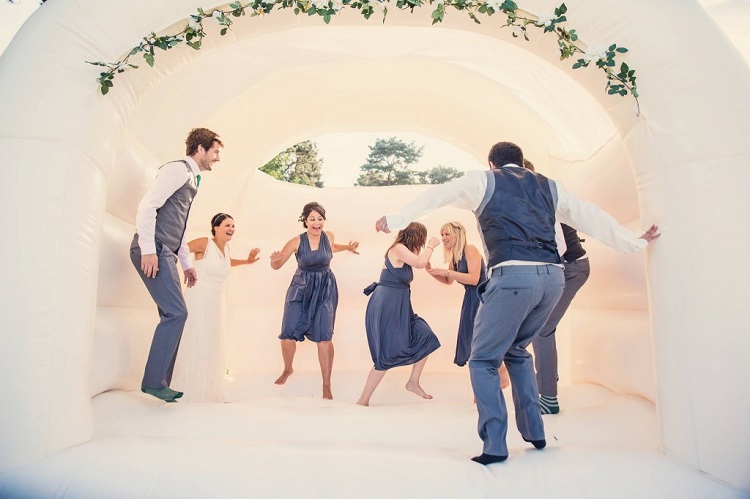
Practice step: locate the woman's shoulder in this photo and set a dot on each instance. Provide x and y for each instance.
(198, 244)
(472, 250)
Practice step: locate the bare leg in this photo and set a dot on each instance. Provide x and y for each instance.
(413, 384)
(504, 377)
(325, 357)
(373, 380)
(288, 348)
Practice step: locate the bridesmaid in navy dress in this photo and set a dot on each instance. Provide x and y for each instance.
(396, 335)
(467, 267)
(312, 297)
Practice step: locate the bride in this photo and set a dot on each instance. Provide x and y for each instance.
(200, 368)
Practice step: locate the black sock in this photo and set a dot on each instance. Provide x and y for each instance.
(539, 444)
(486, 459)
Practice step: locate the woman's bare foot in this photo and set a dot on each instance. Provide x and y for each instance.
(284, 375)
(365, 403)
(327, 393)
(415, 388)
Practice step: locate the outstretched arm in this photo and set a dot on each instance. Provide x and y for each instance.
(474, 262)
(402, 253)
(279, 258)
(352, 246)
(589, 218)
(465, 192)
(439, 274)
(252, 257)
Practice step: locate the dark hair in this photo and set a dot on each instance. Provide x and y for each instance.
(309, 208)
(201, 137)
(504, 153)
(528, 165)
(413, 236)
(217, 220)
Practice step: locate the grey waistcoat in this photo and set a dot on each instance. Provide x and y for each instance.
(171, 218)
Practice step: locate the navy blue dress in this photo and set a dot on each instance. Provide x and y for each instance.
(312, 297)
(396, 335)
(468, 313)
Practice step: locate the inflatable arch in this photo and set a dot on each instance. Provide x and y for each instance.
(76, 320)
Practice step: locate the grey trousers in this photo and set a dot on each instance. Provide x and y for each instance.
(166, 291)
(514, 305)
(545, 346)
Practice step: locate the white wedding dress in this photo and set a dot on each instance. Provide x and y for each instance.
(200, 369)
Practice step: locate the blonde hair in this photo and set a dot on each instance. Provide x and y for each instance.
(457, 230)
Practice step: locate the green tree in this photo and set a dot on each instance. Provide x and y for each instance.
(298, 164)
(439, 175)
(389, 163)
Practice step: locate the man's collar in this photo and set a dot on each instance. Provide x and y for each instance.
(193, 165)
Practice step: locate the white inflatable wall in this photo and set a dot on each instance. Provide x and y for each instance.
(77, 322)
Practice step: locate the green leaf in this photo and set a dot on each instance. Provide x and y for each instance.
(104, 89)
(624, 68)
(149, 59)
(612, 47)
(223, 31)
(621, 50)
(326, 18)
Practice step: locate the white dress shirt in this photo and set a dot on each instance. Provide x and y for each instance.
(169, 178)
(468, 191)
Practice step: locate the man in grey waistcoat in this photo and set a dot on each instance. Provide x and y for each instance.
(516, 211)
(158, 244)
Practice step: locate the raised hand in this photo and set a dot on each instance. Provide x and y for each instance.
(276, 256)
(381, 225)
(651, 234)
(434, 242)
(252, 257)
(353, 245)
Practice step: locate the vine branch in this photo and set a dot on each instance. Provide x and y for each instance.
(620, 81)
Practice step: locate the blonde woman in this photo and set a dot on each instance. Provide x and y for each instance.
(466, 266)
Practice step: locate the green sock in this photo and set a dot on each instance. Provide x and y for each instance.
(549, 405)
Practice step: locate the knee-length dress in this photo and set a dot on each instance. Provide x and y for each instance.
(468, 312)
(312, 297)
(200, 368)
(396, 335)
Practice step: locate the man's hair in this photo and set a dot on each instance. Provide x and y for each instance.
(503, 153)
(201, 137)
(528, 165)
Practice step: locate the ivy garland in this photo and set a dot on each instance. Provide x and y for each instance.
(622, 82)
